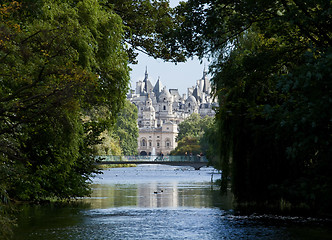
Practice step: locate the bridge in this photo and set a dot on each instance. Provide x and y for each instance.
(192, 161)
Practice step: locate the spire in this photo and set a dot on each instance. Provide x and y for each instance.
(204, 71)
(147, 84)
(146, 72)
(158, 87)
(146, 79)
(207, 86)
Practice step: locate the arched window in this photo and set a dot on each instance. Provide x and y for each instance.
(167, 143)
(164, 108)
(188, 104)
(143, 143)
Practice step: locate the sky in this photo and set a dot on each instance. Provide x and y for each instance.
(180, 76)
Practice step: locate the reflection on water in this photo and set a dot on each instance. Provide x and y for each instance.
(152, 195)
(155, 187)
(158, 202)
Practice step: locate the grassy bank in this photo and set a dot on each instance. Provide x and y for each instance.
(105, 166)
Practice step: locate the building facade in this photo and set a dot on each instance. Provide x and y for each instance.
(161, 110)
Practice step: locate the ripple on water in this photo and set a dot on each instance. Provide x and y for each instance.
(125, 206)
(187, 223)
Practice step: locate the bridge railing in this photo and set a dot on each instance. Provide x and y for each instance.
(179, 158)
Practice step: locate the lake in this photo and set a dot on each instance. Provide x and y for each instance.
(159, 202)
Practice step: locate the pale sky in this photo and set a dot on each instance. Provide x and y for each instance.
(180, 76)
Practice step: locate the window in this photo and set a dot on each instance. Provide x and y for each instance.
(164, 108)
(188, 104)
(150, 144)
(158, 144)
(157, 136)
(167, 143)
(143, 143)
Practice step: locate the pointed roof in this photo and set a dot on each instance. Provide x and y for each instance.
(146, 73)
(147, 86)
(197, 94)
(207, 85)
(204, 71)
(158, 87)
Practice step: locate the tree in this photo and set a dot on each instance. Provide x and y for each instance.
(210, 143)
(304, 119)
(62, 62)
(191, 132)
(190, 127)
(270, 72)
(149, 28)
(109, 145)
(59, 59)
(187, 145)
(127, 129)
(193, 126)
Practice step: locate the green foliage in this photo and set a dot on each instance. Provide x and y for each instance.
(126, 129)
(149, 28)
(59, 59)
(187, 145)
(191, 134)
(209, 142)
(193, 126)
(304, 120)
(109, 145)
(271, 72)
(63, 79)
(120, 138)
(7, 221)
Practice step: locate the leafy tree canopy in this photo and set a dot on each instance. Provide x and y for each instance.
(127, 129)
(190, 136)
(58, 60)
(149, 28)
(271, 72)
(187, 145)
(193, 126)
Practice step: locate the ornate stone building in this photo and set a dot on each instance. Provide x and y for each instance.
(161, 110)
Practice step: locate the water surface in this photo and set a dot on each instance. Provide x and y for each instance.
(159, 202)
